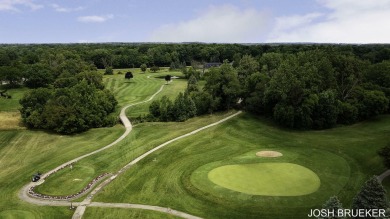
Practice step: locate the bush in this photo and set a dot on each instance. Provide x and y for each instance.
(109, 71)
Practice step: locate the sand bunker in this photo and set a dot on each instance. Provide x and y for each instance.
(269, 154)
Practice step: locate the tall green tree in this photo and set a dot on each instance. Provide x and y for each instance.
(333, 204)
(222, 83)
(143, 68)
(38, 75)
(192, 85)
(371, 196)
(248, 66)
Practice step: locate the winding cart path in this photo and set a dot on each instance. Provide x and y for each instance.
(81, 206)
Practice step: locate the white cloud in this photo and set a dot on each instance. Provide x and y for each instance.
(12, 5)
(348, 21)
(95, 18)
(59, 8)
(225, 23)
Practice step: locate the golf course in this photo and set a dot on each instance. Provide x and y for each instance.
(229, 164)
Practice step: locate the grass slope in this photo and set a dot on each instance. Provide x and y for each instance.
(24, 152)
(141, 87)
(143, 138)
(342, 157)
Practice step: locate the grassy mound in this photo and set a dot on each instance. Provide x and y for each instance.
(269, 179)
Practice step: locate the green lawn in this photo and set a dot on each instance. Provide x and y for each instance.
(144, 137)
(24, 152)
(13, 103)
(343, 158)
(93, 212)
(267, 179)
(141, 87)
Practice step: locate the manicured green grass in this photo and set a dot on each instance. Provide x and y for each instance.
(141, 87)
(13, 103)
(343, 158)
(268, 179)
(125, 213)
(24, 152)
(144, 137)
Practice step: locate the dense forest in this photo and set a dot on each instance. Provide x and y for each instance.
(298, 85)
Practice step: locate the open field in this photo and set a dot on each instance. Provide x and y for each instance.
(343, 158)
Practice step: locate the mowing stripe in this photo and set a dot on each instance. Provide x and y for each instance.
(145, 207)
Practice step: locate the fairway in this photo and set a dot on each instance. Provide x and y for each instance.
(268, 179)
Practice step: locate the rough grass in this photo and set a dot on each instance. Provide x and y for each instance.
(10, 120)
(343, 158)
(268, 179)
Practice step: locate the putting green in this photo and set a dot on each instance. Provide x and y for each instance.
(268, 179)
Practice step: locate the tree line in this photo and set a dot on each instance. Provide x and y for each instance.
(66, 96)
(17, 62)
(307, 90)
(298, 85)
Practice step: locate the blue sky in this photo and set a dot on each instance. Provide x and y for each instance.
(220, 21)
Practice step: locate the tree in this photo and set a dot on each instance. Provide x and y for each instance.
(168, 78)
(333, 204)
(38, 75)
(33, 104)
(12, 75)
(192, 84)
(109, 71)
(180, 108)
(166, 109)
(222, 83)
(348, 113)
(69, 109)
(326, 111)
(128, 75)
(248, 65)
(372, 103)
(154, 68)
(203, 102)
(154, 109)
(143, 67)
(371, 196)
(385, 154)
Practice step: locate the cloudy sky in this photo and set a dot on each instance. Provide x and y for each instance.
(220, 21)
